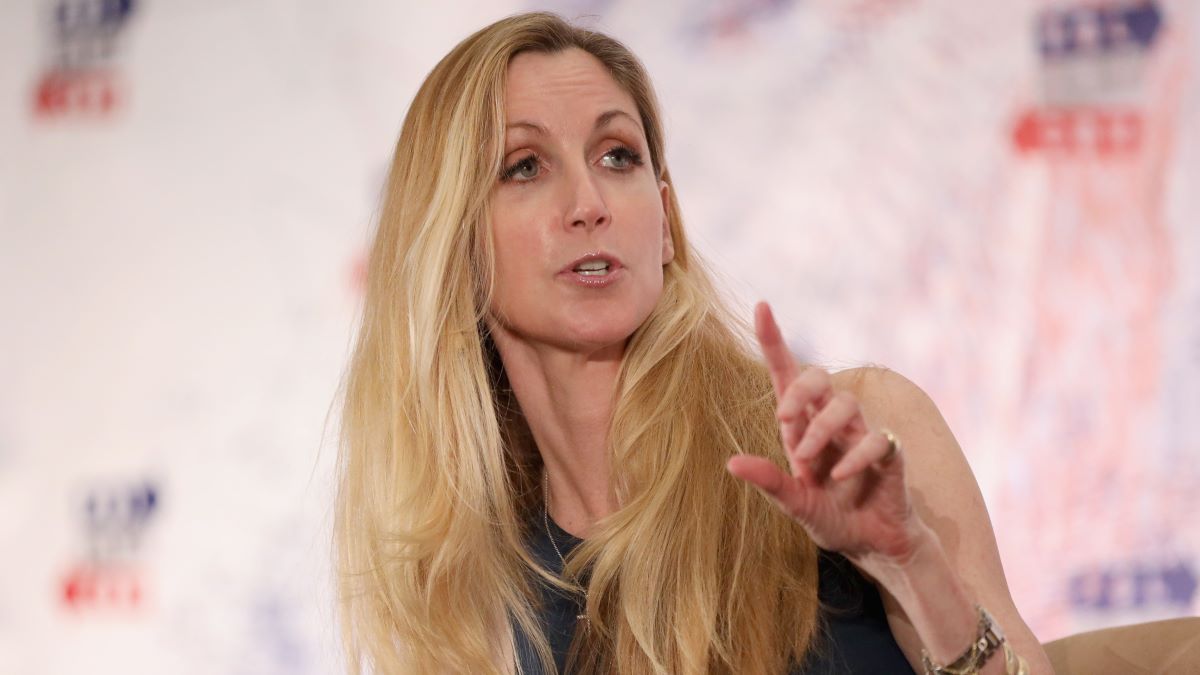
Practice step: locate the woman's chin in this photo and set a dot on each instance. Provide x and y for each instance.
(594, 333)
(582, 331)
(594, 341)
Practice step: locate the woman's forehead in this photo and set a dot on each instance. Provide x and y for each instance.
(554, 89)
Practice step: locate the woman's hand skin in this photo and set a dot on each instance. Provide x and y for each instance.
(844, 488)
(853, 497)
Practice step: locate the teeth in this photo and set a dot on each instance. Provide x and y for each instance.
(593, 267)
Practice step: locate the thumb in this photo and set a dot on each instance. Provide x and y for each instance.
(762, 473)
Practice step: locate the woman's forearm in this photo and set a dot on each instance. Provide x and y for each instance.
(935, 601)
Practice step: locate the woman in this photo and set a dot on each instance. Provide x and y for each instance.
(554, 434)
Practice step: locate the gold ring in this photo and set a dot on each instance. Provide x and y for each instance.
(893, 445)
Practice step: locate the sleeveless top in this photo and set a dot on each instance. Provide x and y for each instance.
(853, 636)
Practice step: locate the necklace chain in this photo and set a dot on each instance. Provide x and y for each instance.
(546, 522)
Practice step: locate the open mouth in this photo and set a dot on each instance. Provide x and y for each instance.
(592, 268)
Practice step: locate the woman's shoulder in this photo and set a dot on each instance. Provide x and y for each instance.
(874, 380)
(888, 399)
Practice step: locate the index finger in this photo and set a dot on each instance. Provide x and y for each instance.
(779, 360)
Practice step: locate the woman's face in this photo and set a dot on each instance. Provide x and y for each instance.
(578, 216)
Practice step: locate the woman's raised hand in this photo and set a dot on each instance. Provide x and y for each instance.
(846, 485)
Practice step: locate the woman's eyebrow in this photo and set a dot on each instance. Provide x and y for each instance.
(610, 115)
(532, 126)
(603, 120)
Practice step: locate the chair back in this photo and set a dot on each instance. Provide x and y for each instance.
(1170, 647)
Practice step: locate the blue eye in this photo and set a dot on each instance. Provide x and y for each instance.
(621, 157)
(523, 169)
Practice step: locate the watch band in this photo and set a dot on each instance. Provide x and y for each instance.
(986, 642)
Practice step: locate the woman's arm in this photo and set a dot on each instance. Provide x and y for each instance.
(921, 532)
(930, 603)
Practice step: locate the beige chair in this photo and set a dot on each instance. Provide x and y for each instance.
(1170, 647)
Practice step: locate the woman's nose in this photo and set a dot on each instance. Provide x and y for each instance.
(586, 207)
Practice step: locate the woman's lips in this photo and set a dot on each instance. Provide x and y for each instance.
(594, 270)
(593, 280)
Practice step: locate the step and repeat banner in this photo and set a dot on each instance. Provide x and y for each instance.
(997, 199)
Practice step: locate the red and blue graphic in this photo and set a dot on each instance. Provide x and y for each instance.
(85, 42)
(1093, 58)
(115, 521)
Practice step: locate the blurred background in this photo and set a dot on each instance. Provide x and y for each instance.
(998, 199)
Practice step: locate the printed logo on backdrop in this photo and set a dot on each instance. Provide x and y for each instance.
(1092, 61)
(113, 521)
(1134, 587)
(83, 43)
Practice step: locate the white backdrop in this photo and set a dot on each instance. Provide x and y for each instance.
(998, 199)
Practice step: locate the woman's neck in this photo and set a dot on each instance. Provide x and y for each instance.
(567, 399)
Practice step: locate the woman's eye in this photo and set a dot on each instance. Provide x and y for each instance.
(522, 170)
(621, 157)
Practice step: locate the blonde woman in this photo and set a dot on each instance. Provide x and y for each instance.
(561, 453)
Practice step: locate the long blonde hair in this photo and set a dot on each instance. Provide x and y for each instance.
(694, 573)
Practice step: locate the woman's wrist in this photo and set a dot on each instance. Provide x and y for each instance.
(929, 590)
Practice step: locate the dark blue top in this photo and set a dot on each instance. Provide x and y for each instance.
(854, 637)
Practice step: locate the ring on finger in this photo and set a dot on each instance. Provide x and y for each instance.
(893, 445)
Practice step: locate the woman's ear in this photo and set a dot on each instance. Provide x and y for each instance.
(668, 247)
